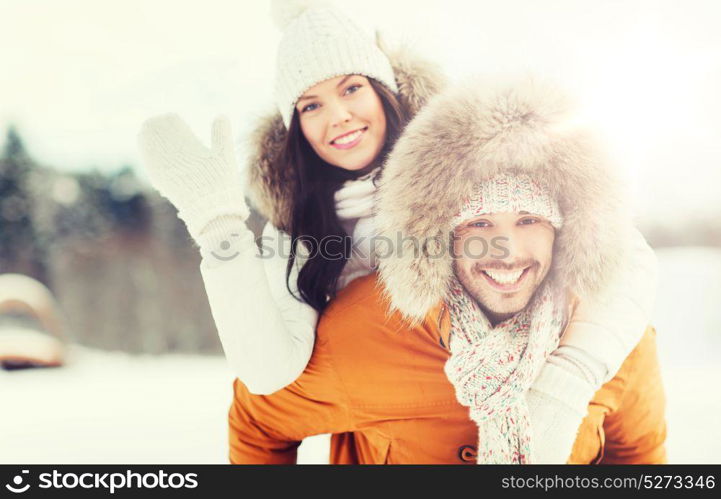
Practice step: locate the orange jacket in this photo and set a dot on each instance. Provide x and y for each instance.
(379, 387)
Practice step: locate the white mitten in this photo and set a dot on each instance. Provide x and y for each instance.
(203, 183)
(557, 403)
(267, 334)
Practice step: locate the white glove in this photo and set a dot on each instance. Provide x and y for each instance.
(266, 333)
(203, 184)
(557, 403)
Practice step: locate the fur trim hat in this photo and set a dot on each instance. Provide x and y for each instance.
(271, 183)
(472, 133)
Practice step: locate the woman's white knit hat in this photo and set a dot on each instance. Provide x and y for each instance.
(320, 43)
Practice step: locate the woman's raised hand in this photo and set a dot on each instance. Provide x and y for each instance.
(203, 183)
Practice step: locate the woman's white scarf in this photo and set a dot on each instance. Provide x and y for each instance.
(492, 368)
(354, 204)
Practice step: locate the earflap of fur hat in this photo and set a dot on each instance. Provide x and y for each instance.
(472, 133)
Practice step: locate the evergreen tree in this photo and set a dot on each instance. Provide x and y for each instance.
(19, 248)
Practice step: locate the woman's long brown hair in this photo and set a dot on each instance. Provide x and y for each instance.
(313, 216)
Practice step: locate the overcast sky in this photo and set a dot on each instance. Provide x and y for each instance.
(78, 77)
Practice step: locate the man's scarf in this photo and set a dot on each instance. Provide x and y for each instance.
(492, 369)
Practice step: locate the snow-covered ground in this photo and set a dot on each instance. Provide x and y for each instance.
(688, 320)
(107, 407)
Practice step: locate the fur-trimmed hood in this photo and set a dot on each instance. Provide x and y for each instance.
(468, 134)
(271, 183)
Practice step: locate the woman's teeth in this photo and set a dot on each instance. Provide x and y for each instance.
(504, 277)
(346, 139)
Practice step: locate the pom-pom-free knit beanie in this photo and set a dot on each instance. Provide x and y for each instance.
(508, 192)
(319, 43)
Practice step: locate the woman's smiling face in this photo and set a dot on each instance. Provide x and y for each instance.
(343, 121)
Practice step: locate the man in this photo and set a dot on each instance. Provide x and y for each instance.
(499, 293)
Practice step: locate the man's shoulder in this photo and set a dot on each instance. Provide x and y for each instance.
(362, 310)
(361, 298)
(638, 375)
(365, 291)
(366, 344)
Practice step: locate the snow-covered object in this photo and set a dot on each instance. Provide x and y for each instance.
(31, 323)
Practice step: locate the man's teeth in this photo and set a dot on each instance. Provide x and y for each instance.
(348, 138)
(504, 277)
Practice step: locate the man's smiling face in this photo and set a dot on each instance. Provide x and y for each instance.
(503, 282)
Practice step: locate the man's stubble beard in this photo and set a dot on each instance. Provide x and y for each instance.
(473, 285)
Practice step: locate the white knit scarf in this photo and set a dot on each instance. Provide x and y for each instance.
(356, 198)
(492, 368)
(354, 204)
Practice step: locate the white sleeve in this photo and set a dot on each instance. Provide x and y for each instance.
(267, 334)
(609, 327)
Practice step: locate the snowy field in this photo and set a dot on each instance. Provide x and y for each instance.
(106, 407)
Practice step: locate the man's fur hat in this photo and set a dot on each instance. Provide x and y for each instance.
(470, 133)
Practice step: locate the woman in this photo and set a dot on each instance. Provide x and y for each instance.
(342, 102)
